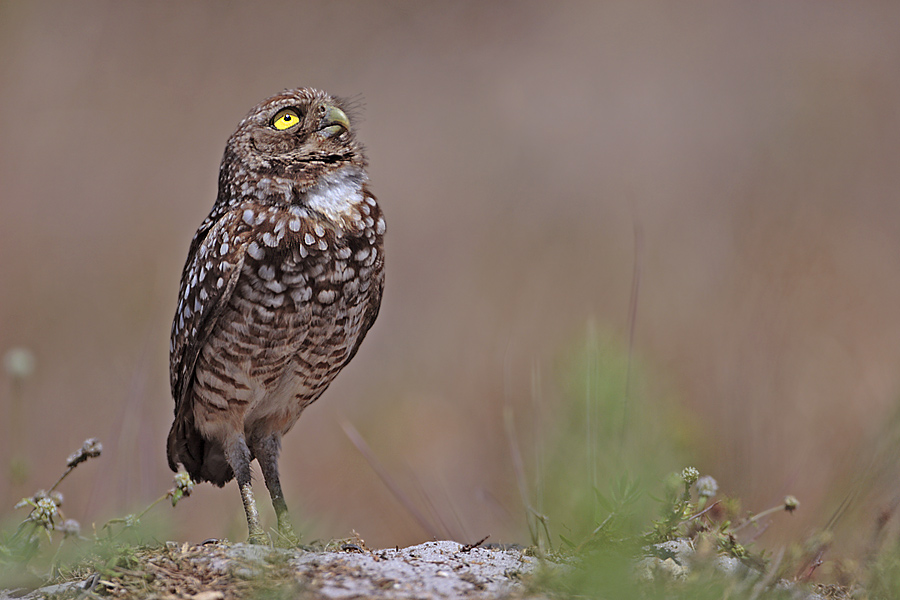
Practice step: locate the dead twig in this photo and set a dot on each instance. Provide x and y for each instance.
(469, 547)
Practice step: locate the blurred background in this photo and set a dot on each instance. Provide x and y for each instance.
(534, 160)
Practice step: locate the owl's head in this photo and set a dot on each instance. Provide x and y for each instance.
(299, 135)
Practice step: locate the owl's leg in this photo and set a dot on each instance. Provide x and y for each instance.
(238, 456)
(266, 450)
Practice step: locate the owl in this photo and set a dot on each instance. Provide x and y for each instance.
(282, 282)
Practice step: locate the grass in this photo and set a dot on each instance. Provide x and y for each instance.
(603, 491)
(609, 499)
(46, 543)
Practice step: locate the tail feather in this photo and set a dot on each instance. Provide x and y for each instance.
(203, 459)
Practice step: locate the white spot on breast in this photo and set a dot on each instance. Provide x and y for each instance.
(294, 225)
(365, 209)
(362, 254)
(277, 300)
(220, 283)
(298, 211)
(266, 272)
(223, 249)
(380, 227)
(203, 295)
(341, 275)
(326, 296)
(269, 240)
(294, 279)
(308, 239)
(249, 217)
(275, 286)
(303, 252)
(370, 201)
(323, 245)
(255, 251)
(320, 231)
(265, 315)
(301, 295)
(344, 253)
(315, 270)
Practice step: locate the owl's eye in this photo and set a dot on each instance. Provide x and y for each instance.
(285, 119)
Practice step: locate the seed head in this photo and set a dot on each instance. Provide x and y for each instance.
(791, 503)
(89, 449)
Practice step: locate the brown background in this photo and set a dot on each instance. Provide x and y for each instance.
(515, 148)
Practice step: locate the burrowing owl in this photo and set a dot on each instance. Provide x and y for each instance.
(282, 281)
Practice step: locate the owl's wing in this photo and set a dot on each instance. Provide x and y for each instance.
(209, 277)
(373, 307)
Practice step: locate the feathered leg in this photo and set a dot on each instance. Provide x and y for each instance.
(238, 456)
(266, 450)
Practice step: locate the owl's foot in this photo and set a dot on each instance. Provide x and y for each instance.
(258, 538)
(286, 538)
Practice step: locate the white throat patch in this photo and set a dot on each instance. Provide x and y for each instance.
(337, 194)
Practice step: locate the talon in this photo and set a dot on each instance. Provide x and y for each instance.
(286, 537)
(259, 539)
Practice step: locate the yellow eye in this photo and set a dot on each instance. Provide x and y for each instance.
(285, 119)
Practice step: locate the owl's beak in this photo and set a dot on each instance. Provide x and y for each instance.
(334, 122)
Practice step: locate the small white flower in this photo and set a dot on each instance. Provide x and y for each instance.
(690, 475)
(69, 527)
(707, 487)
(19, 363)
(44, 512)
(184, 483)
(791, 503)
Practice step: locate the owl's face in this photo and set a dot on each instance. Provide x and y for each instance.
(298, 135)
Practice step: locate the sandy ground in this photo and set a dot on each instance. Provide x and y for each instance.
(219, 571)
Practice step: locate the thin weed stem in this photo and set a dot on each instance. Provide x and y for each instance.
(632, 323)
(357, 440)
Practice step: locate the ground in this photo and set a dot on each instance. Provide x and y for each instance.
(224, 571)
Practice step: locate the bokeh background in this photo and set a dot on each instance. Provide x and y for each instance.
(534, 160)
